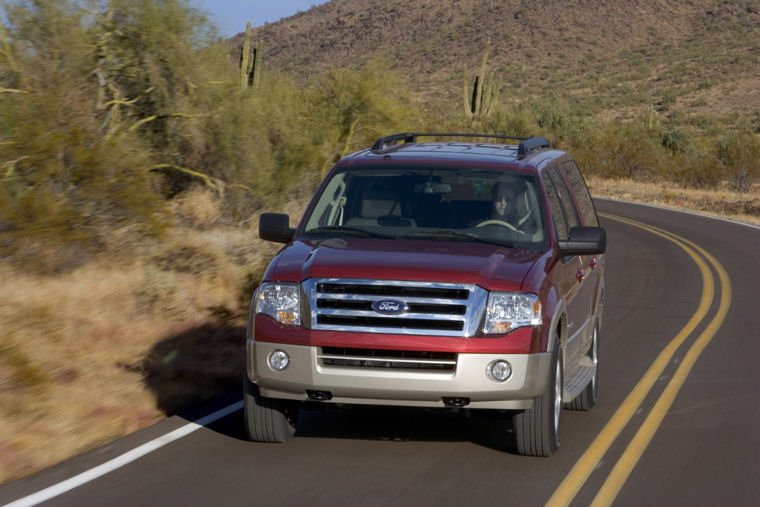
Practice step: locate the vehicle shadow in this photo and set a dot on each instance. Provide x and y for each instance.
(193, 367)
(408, 424)
(199, 370)
(393, 424)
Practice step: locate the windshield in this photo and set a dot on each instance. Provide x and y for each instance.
(472, 205)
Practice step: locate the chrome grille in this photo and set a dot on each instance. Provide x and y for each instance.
(442, 309)
(388, 359)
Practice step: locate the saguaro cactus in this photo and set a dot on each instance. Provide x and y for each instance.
(479, 103)
(245, 57)
(466, 94)
(250, 61)
(477, 98)
(258, 58)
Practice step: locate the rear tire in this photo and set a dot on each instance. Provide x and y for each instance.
(268, 419)
(587, 399)
(536, 430)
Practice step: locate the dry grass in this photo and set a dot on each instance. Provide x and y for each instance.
(78, 362)
(100, 352)
(145, 331)
(742, 207)
(63, 340)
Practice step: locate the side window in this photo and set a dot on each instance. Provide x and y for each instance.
(329, 208)
(560, 202)
(556, 208)
(586, 205)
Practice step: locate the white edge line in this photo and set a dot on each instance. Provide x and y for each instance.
(128, 457)
(676, 210)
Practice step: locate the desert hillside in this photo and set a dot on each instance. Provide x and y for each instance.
(612, 58)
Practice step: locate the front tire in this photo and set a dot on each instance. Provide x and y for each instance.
(536, 430)
(268, 419)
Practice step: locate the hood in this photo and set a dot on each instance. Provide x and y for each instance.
(492, 267)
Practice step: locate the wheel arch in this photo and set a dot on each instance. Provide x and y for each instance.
(558, 323)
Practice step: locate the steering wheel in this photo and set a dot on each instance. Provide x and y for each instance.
(498, 222)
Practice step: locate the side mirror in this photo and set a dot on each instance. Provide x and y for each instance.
(275, 227)
(584, 241)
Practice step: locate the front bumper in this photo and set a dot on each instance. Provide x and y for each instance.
(388, 386)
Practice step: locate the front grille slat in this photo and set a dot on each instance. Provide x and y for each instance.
(408, 299)
(389, 322)
(438, 309)
(444, 309)
(360, 314)
(344, 304)
(380, 360)
(388, 359)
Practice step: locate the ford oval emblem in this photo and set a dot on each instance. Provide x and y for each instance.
(389, 307)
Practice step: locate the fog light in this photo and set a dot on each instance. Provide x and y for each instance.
(279, 360)
(499, 370)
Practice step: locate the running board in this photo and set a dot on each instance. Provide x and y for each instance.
(578, 380)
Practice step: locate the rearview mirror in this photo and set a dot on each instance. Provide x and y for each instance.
(432, 188)
(275, 227)
(584, 241)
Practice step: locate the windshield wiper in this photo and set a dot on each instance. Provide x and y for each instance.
(455, 235)
(350, 230)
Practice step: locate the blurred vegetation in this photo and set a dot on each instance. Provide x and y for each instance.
(111, 110)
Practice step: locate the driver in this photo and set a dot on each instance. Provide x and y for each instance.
(505, 212)
(505, 205)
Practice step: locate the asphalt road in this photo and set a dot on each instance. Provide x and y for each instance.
(677, 422)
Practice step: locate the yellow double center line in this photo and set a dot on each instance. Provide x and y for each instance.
(582, 469)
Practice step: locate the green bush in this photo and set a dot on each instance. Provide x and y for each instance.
(109, 110)
(64, 180)
(739, 156)
(676, 140)
(627, 150)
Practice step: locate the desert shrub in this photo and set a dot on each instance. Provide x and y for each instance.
(739, 156)
(349, 109)
(72, 167)
(622, 150)
(674, 139)
(550, 118)
(560, 123)
(695, 167)
(518, 119)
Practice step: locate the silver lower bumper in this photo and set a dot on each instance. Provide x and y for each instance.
(380, 386)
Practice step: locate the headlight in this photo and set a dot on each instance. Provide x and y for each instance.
(281, 301)
(510, 310)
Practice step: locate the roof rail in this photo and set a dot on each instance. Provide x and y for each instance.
(390, 143)
(392, 140)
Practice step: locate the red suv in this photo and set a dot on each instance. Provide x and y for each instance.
(465, 275)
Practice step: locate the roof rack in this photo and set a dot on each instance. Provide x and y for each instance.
(530, 145)
(391, 143)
